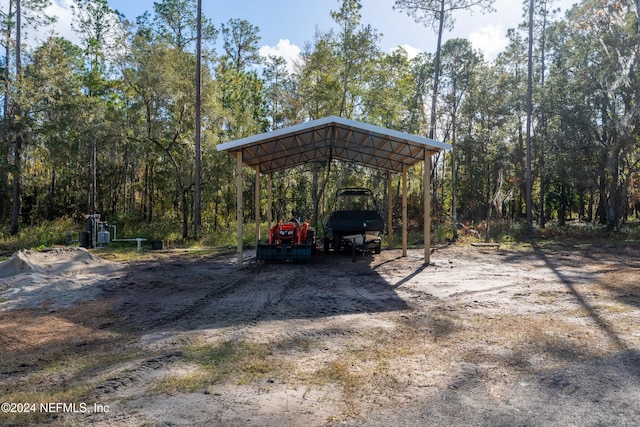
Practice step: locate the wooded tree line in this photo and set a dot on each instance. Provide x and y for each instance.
(108, 125)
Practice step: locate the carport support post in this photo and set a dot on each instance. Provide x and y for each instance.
(257, 199)
(426, 185)
(239, 216)
(390, 209)
(404, 210)
(269, 199)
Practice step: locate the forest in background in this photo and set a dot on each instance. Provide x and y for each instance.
(108, 126)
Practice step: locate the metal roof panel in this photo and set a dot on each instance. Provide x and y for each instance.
(362, 143)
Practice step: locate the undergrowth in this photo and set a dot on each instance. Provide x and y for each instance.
(65, 231)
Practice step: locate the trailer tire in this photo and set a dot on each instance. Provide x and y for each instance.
(337, 243)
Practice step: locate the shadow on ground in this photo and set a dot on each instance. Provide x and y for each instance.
(213, 292)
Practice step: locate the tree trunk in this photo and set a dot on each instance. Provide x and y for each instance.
(185, 214)
(17, 177)
(590, 208)
(615, 196)
(562, 210)
(197, 220)
(529, 114)
(454, 182)
(51, 214)
(17, 153)
(436, 78)
(151, 190)
(6, 148)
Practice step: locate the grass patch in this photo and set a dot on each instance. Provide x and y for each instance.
(616, 308)
(239, 362)
(70, 395)
(510, 341)
(59, 358)
(343, 373)
(187, 382)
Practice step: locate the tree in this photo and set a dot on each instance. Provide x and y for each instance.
(101, 31)
(387, 100)
(422, 72)
(161, 77)
(19, 128)
(197, 220)
(240, 43)
(19, 15)
(278, 85)
(357, 51)
(161, 72)
(483, 148)
(176, 22)
(335, 72)
(242, 89)
(512, 63)
(529, 197)
(57, 108)
(606, 57)
(318, 81)
(459, 62)
(543, 13)
(439, 15)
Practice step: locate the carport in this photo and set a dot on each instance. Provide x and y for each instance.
(336, 138)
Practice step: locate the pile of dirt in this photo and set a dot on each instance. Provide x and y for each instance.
(19, 263)
(57, 278)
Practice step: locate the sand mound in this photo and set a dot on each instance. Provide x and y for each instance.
(19, 263)
(58, 277)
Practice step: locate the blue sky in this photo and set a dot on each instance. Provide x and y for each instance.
(286, 25)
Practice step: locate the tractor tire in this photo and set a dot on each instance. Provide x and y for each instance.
(311, 239)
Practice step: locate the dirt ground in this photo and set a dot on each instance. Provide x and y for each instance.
(543, 335)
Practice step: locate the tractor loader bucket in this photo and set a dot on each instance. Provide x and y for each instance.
(283, 252)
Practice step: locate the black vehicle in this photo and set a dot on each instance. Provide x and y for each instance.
(355, 222)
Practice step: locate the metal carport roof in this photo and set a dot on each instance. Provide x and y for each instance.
(334, 138)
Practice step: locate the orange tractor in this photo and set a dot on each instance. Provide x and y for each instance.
(288, 241)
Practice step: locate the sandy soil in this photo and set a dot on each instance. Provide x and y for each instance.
(482, 336)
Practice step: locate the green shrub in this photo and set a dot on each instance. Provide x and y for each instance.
(40, 236)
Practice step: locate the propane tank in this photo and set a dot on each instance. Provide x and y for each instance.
(104, 237)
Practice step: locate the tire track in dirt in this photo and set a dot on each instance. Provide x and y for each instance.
(138, 373)
(132, 380)
(277, 302)
(169, 296)
(193, 311)
(300, 294)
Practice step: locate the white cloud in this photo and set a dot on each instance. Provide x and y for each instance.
(285, 49)
(412, 52)
(490, 39)
(61, 9)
